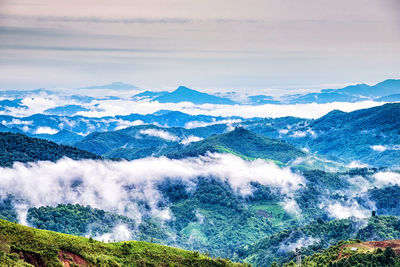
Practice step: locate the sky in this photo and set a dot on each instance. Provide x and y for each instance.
(258, 46)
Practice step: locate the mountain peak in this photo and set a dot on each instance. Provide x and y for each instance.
(185, 94)
(183, 88)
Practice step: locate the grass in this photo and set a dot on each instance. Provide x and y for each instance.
(278, 214)
(19, 243)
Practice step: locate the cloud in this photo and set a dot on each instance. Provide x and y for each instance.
(357, 164)
(386, 178)
(123, 20)
(379, 148)
(291, 206)
(22, 213)
(160, 134)
(119, 186)
(382, 148)
(345, 210)
(196, 124)
(191, 139)
(125, 107)
(122, 124)
(45, 130)
(16, 122)
(300, 243)
(119, 233)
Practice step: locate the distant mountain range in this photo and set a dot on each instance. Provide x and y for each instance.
(333, 135)
(68, 130)
(388, 90)
(113, 86)
(184, 94)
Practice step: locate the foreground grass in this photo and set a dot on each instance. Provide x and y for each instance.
(25, 246)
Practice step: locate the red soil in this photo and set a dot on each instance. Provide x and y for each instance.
(67, 258)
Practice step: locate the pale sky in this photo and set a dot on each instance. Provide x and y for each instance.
(250, 45)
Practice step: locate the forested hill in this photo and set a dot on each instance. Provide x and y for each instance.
(21, 245)
(21, 148)
(243, 143)
(355, 253)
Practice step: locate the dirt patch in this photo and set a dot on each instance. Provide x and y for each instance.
(264, 214)
(68, 259)
(31, 258)
(394, 244)
(370, 246)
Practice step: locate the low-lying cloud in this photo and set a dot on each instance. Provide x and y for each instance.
(119, 186)
(160, 134)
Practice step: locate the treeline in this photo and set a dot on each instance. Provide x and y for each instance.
(21, 148)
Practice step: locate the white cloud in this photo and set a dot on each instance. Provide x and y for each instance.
(125, 107)
(45, 130)
(195, 124)
(160, 133)
(379, 148)
(119, 233)
(16, 122)
(191, 139)
(300, 243)
(291, 206)
(300, 134)
(116, 186)
(386, 178)
(345, 210)
(122, 124)
(358, 164)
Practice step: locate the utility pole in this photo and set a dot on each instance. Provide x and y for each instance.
(298, 257)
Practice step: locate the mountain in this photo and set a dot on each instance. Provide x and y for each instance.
(113, 86)
(68, 110)
(389, 98)
(63, 137)
(149, 140)
(7, 104)
(148, 95)
(317, 236)
(21, 148)
(323, 98)
(24, 93)
(81, 125)
(352, 93)
(143, 140)
(367, 135)
(243, 143)
(370, 136)
(356, 253)
(262, 100)
(184, 94)
(23, 245)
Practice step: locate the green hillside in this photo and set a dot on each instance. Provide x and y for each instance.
(317, 236)
(243, 143)
(355, 253)
(21, 148)
(133, 142)
(25, 246)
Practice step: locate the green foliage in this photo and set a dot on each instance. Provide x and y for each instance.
(243, 143)
(324, 234)
(18, 147)
(130, 143)
(46, 248)
(342, 255)
(76, 219)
